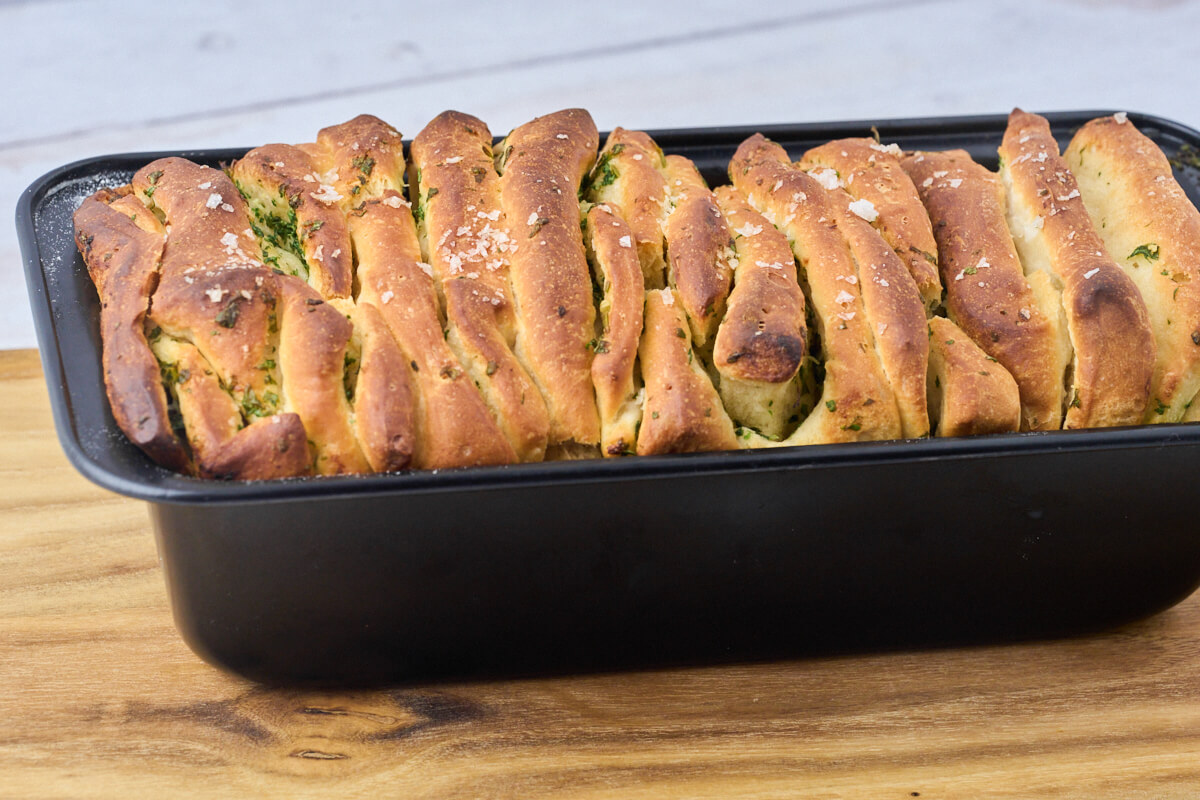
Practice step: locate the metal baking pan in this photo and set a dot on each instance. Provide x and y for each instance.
(643, 561)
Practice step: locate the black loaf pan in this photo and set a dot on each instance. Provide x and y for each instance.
(543, 568)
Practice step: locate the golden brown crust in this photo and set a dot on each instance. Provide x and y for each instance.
(123, 260)
(970, 392)
(384, 401)
(293, 182)
(619, 273)
(1152, 231)
(763, 335)
(543, 163)
(871, 171)
(629, 175)
(365, 156)
(468, 242)
(454, 426)
(1106, 318)
(683, 413)
(313, 337)
(894, 309)
(857, 401)
(698, 250)
(987, 294)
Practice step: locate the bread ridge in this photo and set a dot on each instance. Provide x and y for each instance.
(618, 272)
(1110, 333)
(857, 402)
(870, 171)
(1152, 231)
(542, 164)
(467, 241)
(987, 294)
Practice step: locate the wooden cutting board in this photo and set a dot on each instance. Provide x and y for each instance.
(100, 698)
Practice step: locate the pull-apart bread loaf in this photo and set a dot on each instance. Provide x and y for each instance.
(334, 307)
(1152, 231)
(1111, 342)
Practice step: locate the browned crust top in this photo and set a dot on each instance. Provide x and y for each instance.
(384, 399)
(468, 241)
(213, 292)
(894, 311)
(857, 403)
(640, 190)
(1156, 235)
(1106, 317)
(986, 291)
(313, 336)
(123, 262)
(543, 163)
(698, 249)
(763, 335)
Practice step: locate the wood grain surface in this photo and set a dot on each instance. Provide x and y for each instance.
(100, 698)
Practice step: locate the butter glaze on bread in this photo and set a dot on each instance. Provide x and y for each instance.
(1152, 231)
(619, 276)
(1109, 328)
(542, 164)
(871, 171)
(762, 340)
(467, 241)
(857, 403)
(987, 294)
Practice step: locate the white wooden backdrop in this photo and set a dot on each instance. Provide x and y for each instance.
(83, 78)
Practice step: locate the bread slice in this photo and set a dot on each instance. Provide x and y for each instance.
(629, 175)
(122, 243)
(1152, 231)
(871, 173)
(970, 393)
(857, 402)
(467, 240)
(698, 250)
(1016, 321)
(454, 427)
(762, 341)
(542, 164)
(618, 273)
(683, 413)
(893, 309)
(1111, 339)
